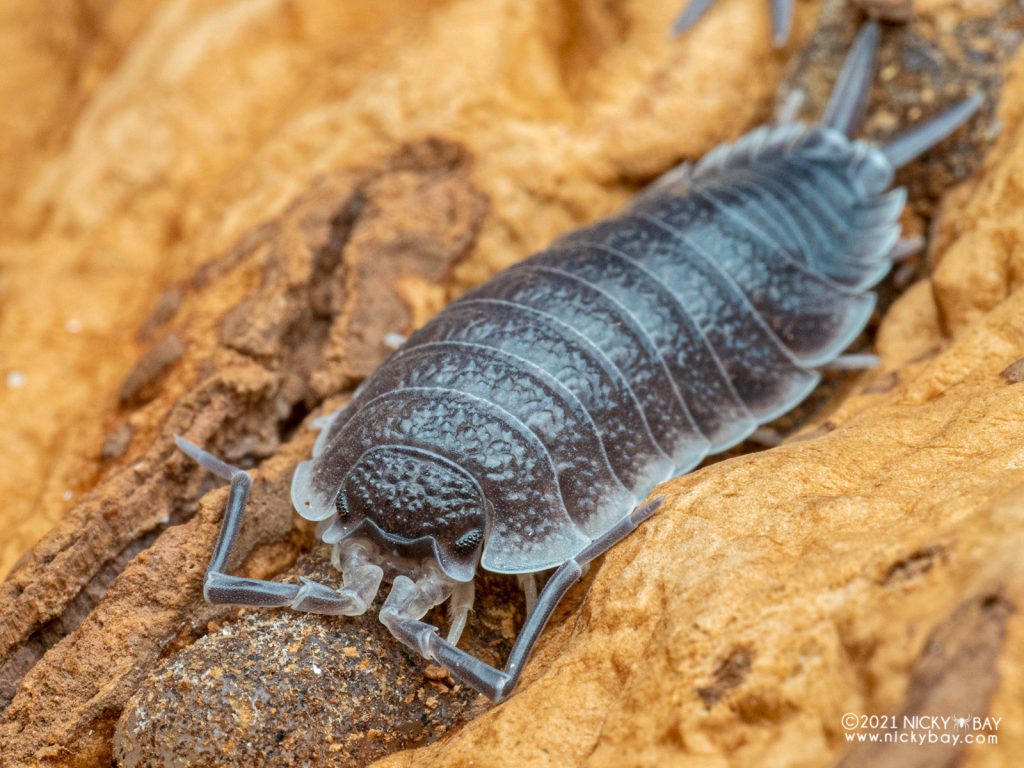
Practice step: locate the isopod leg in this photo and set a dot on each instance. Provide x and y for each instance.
(690, 15)
(223, 588)
(853, 362)
(494, 683)
(394, 340)
(528, 583)
(789, 111)
(907, 247)
(782, 20)
(675, 177)
(459, 606)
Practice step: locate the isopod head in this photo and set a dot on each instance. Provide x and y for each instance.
(413, 504)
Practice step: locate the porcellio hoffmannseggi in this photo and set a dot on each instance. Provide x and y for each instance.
(522, 428)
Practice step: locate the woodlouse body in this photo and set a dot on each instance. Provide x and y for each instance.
(628, 351)
(521, 428)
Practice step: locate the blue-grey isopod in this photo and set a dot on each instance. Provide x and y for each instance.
(521, 429)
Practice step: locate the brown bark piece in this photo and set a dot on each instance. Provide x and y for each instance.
(241, 390)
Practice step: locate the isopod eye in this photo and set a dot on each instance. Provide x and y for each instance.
(467, 543)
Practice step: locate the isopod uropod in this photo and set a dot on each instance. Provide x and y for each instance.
(521, 429)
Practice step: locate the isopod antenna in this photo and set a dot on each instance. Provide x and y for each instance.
(782, 18)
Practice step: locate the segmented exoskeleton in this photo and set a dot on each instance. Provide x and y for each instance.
(521, 429)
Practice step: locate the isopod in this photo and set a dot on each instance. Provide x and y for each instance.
(781, 11)
(523, 427)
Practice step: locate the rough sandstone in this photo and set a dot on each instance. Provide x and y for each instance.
(235, 202)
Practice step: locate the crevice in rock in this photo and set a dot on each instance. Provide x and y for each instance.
(729, 674)
(914, 565)
(21, 659)
(956, 673)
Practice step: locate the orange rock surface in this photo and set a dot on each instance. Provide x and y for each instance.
(185, 184)
(874, 569)
(140, 139)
